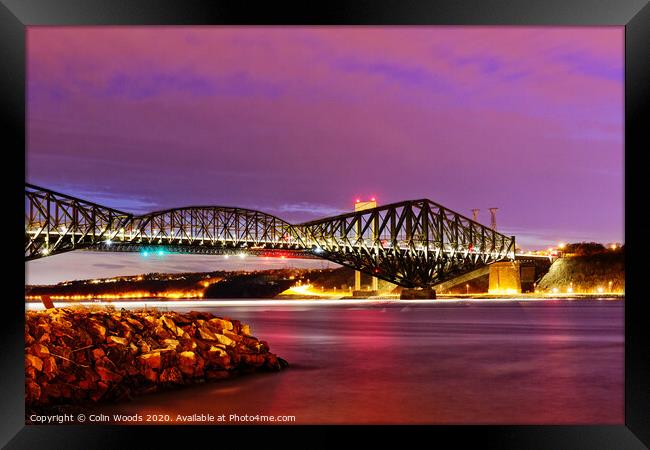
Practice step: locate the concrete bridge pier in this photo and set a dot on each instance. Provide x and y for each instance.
(505, 278)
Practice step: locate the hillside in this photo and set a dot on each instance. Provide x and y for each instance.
(586, 273)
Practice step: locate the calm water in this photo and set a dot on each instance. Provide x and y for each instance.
(552, 361)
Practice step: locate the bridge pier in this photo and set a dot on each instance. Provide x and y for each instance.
(505, 278)
(417, 294)
(374, 282)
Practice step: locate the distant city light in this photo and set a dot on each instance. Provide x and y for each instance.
(614, 246)
(600, 290)
(561, 245)
(555, 290)
(569, 290)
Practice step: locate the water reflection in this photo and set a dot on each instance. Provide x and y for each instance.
(467, 362)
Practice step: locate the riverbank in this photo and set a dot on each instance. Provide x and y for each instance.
(88, 355)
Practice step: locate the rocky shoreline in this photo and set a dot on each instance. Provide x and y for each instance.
(82, 356)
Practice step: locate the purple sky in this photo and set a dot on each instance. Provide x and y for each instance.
(300, 121)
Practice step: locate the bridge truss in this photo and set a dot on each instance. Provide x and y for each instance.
(415, 243)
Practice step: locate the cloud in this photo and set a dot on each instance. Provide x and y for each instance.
(151, 82)
(129, 204)
(404, 74)
(312, 209)
(588, 64)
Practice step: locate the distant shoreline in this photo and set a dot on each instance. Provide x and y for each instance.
(442, 299)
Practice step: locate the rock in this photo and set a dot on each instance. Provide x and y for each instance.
(163, 333)
(32, 391)
(169, 323)
(134, 322)
(34, 361)
(108, 375)
(171, 375)
(172, 343)
(77, 355)
(221, 323)
(187, 362)
(98, 329)
(207, 334)
(30, 372)
(151, 360)
(219, 357)
(49, 366)
(225, 340)
(233, 336)
(39, 350)
(144, 347)
(117, 340)
(97, 354)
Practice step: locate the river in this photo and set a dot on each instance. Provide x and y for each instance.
(433, 362)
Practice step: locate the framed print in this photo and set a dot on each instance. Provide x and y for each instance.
(404, 217)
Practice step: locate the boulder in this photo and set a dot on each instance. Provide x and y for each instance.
(78, 355)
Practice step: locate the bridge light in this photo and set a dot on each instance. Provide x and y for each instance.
(108, 242)
(45, 251)
(226, 256)
(242, 255)
(145, 254)
(161, 252)
(373, 199)
(358, 201)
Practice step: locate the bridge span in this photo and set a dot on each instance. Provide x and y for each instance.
(414, 243)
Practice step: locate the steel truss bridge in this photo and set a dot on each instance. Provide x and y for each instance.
(416, 243)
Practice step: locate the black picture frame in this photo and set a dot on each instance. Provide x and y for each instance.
(16, 15)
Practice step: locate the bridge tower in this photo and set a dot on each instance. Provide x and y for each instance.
(493, 214)
(361, 206)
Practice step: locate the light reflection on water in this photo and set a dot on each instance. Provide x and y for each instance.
(552, 361)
